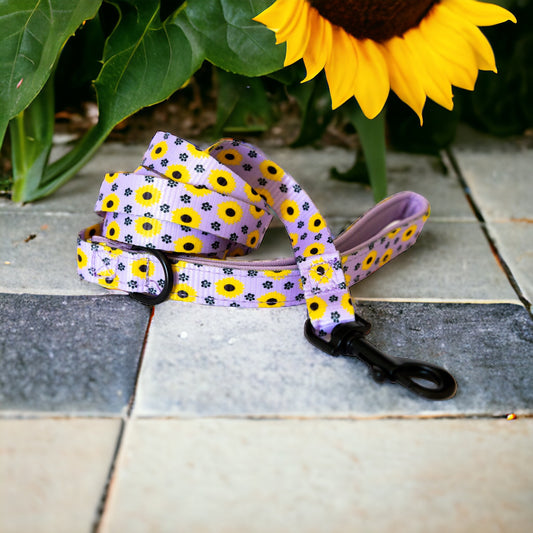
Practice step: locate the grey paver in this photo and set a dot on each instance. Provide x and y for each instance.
(500, 182)
(450, 261)
(38, 253)
(53, 473)
(323, 475)
(338, 200)
(203, 361)
(514, 241)
(69, 354)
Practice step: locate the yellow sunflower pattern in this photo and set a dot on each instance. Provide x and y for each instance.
(229, 287)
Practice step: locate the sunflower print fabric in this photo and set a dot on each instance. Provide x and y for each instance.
(201, 207)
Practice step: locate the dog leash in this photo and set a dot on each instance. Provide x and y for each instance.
(177, 228)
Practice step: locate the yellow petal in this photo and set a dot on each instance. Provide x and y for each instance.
(297, 41)
(341, 68)
(318, 46)
(480, 13)
(403, 77)
(372, 77)
(436, 85)
(296, 10)
(460, 59)
(473, 38)
(279, 14)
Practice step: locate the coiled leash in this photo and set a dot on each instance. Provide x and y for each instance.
(177, 226)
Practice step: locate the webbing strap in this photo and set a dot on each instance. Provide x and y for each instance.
(204, 209)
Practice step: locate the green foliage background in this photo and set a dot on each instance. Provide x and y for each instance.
(130, 54)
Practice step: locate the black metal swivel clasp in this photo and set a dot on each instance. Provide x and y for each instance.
(424, 379)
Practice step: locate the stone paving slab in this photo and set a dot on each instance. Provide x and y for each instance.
(450, 261)
(68, 354)
(53, 473)
(501, 183)
(38, 253)
(322, 475)
(514, 241)
(204, 361)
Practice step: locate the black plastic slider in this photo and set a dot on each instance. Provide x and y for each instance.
(424, 379)
(154, 299)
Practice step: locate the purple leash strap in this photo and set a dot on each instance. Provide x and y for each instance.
(177, 228)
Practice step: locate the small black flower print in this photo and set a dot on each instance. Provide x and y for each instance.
(283, 187)
(199, 168)
(164, 162)
(335, 316)
(206, 206)
(205, 284)
(215, 245)
(305, 206)
(268, 284)
(114, 187)
(262, 181)
(215, 226)
(250, 297)
(252, 273)
(121, 266)
(128, 221)
(167, 239)
(252, 154)
(128, 239)
(244, 230)
(299, 297)
(296, 188)
(128, 209)
(132, 284)
(300, 224)
(228, 271)
(247, 167)
(185, 198)
(183, 157)
(288, 286)
(209, 300)
(165, 208)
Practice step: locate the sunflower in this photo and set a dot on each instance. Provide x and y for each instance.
(230, 212)
(222, 181)
(147, 195)
(316, 307)
(229, 287)
(271, 299)
(367, 47)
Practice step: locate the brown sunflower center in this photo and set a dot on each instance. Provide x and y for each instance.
(378, 20)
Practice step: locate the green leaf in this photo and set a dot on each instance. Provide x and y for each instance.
(145, 60)
(372, 137)
(33, 33)
(31, 141)
(232, 40)
(242, 104)
(314, 101)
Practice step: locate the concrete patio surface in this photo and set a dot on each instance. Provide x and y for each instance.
(116, 417)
